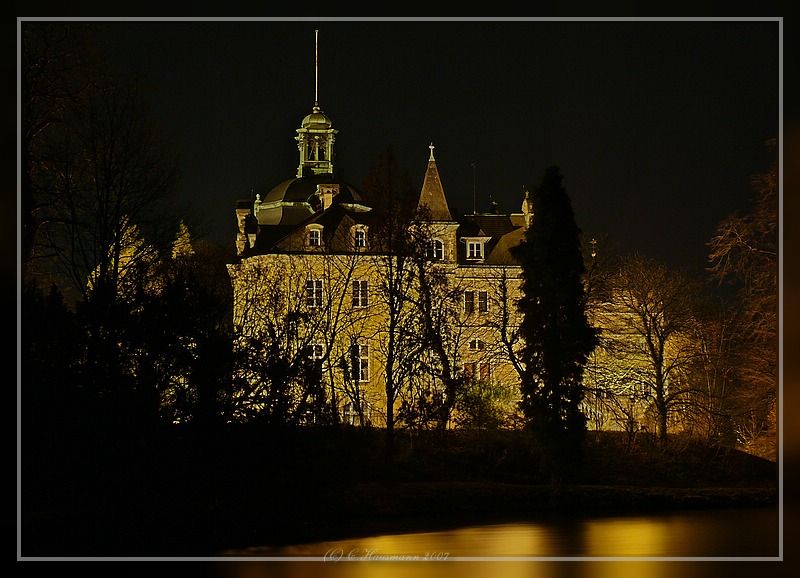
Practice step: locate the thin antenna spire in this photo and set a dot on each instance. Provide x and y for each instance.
(474, 204)
(316, 67)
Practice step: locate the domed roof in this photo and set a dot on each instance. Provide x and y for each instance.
(316, 120)
(302, 190)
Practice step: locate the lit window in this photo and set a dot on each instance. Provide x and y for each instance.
(476, 344)
(360, 239)
(314, 293)
(316, 351)
(360, 293)
(474, 249)
(435, 250)
(359, 362)
(315, 238)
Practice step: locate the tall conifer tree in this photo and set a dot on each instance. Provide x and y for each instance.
(558, 337)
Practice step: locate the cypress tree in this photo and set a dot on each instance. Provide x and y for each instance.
(558, 337)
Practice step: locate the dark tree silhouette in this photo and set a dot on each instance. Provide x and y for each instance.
(182, 336)
(558, 338)
(58, 72)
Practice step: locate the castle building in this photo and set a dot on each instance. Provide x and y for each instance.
(316, 286)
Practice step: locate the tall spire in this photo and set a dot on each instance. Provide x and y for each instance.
(315, 137)
(432, 198)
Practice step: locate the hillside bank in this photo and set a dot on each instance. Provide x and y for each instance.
(189, 495)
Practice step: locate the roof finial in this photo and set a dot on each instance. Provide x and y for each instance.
(431, 147)
(316, 67)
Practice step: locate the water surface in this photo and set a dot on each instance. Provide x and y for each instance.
(711, 534)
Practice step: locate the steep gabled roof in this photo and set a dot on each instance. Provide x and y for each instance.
(431, 198)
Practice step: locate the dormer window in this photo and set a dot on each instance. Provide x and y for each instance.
(360, 238)
(474, 249)
(314, 236)
(435, 250)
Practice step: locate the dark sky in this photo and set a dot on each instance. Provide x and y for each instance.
(657, 126)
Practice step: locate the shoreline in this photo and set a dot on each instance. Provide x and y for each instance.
(410, 507)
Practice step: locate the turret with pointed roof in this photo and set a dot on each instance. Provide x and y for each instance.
(431, 199)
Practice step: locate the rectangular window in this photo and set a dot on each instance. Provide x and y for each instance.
(360, 293)
(469, 370)
(470, 298)
(474, 250)
(359, 357)
(314, 238)
(360, 238)
(486, 371)
(469, 301)
(316, 353)
(314, 293)
(476, 344)
(483, 301)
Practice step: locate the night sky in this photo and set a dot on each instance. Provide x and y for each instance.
(657, 126)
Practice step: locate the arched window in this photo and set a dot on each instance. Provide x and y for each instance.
(314, 236)
(435, 250)
(360, 237)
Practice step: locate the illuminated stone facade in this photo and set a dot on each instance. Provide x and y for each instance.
(309, 250)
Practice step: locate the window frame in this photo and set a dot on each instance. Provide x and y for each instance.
(478, 253)
(316, 354)
(483, 301)
(360, 362)
(469, 301)
(360, 293)
(435, 249)
(360, 238)
(315, 292)
(315, 237)
(485, 371)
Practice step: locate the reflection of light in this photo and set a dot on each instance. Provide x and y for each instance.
(630, 537)
(600, 547)
(488, 569)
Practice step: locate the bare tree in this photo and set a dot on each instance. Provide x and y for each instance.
(745, 253)
(712, 413)
(649, 324)
(113, 183)
(58, 73)
(296, 330)
(396, 276)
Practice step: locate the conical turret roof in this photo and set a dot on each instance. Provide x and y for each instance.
(431, 198)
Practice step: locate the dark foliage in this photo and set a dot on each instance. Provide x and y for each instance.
(558, 337)
(179, 494)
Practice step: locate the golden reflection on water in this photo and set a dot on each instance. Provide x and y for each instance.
(490, 569)
(682, 535)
